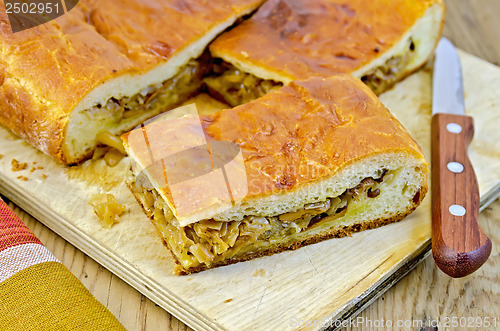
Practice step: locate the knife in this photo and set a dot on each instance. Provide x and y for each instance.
(459, 247)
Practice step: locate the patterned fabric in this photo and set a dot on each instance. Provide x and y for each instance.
(36, 291)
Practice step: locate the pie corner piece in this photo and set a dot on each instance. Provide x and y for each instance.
(93, 73)
(319, 158)
(377, 41)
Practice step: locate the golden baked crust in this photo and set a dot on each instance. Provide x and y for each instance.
(297, 39)
(47, 70)
(298, 135)
(313, 152)
(324, 123)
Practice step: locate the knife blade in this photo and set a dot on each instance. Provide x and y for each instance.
(459, 246)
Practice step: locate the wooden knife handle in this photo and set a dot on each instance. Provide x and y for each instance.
(459, 246)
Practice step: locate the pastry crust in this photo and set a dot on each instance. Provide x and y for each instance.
(98, 50)
(297, 39)
(323, 158)
(291, 140)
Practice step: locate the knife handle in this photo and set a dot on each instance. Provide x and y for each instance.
(459, 246)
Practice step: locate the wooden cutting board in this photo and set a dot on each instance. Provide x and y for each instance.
(328, 281)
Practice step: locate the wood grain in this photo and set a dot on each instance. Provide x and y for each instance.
(473, 25)
(459, 246)
(426, 294)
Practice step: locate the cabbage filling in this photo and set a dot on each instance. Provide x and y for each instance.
(154, 99)
(235, 86)
(210, 241)
(381, 78)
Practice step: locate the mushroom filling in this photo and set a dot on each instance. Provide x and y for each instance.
(210, 241)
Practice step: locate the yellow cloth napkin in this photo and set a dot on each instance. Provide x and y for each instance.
(37, 292)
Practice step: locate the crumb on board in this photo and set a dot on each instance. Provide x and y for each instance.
(24, 178)
(259, 272)
(107, 209)
(228, 300)
(33, 169)
(44, 176)
(16, 166)
(1, 156)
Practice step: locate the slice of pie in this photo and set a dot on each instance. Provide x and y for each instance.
(104, 67)
(316, 159)
(379, 42)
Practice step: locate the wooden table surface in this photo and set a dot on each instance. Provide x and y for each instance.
(423, 296)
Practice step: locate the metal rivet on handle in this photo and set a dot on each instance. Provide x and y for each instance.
(457, 210)
(455, 167)
(453, 127)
